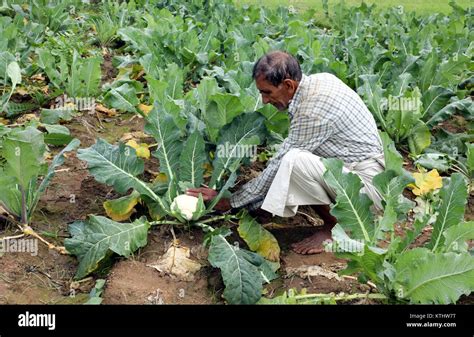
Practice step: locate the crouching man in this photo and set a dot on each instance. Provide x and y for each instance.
(327, 120)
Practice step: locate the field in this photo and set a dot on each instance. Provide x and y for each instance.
(110, 111)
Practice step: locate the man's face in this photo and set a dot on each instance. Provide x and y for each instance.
(278, 96)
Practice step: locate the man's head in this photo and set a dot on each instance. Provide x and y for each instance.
(277, 75)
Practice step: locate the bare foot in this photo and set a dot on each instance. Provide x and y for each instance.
(313, 244)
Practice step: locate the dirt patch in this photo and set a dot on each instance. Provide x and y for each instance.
(133, 282)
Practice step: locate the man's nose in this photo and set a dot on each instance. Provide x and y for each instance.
(265, 100)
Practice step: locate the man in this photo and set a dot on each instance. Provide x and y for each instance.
(328, 120)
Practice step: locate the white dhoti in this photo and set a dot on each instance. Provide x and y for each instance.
(299, 181)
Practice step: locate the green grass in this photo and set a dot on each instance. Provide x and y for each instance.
(419, 6)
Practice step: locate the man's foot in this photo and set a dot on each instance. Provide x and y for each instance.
(313, 244)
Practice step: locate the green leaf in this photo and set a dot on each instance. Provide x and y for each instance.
(393, 159)
(85, 76)
(10, 195)
(419, 138)
(352, 208)
(439, 278)
(14, 72)
(23, 151)
(236, 141)
(192, 160)
(464, 105)
(222, 109)
(391, 188)
(453, 198)
(242, 278)
(435, 99)
(116, 166)
(258, 238)
(457, 235)
(372, 93)
(53, 116)
(57, 134)
(122, 98)
(161, 126)
(470, 158)
(92, 241)
(206, 88)
(436, 161)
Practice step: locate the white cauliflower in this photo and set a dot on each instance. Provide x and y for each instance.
(185, 204)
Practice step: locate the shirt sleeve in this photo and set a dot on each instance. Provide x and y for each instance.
(309, 128)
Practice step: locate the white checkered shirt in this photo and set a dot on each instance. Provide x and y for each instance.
(328, 119)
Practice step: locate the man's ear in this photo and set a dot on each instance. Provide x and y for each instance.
(290, 85)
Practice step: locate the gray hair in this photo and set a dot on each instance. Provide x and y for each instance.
(277, 66)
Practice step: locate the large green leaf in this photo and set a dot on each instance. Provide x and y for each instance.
(457, 235)
(453, 197)
(116, 166)
(390, 187)
(10, 195)
(434, 100)
(57, 134)
(258, 238)
(122, 98)
(242, 278)
(362, 258)
(352, 208)
(235, 142)
(439, 278)
(221, 110)
(419, 138)
(470, 158)
(23, 151)
(92, 240)
(372, 93)
(393, 159)
(465, 106)
(85, 75)
(161, 126)
(192, 160)
(205, 90)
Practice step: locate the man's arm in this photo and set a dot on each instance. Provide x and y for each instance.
(307, 132)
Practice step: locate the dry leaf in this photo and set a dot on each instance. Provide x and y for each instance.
(176, 262)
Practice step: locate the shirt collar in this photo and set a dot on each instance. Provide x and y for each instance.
(297, 97)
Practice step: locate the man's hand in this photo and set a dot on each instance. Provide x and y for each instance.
(209, 194)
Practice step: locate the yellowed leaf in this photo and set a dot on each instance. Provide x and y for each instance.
(426, 182)
(258, 238)
(207, 170)
(145, 108)
(4, 121)
(141, 148)
(161, 178)
(122, 208)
